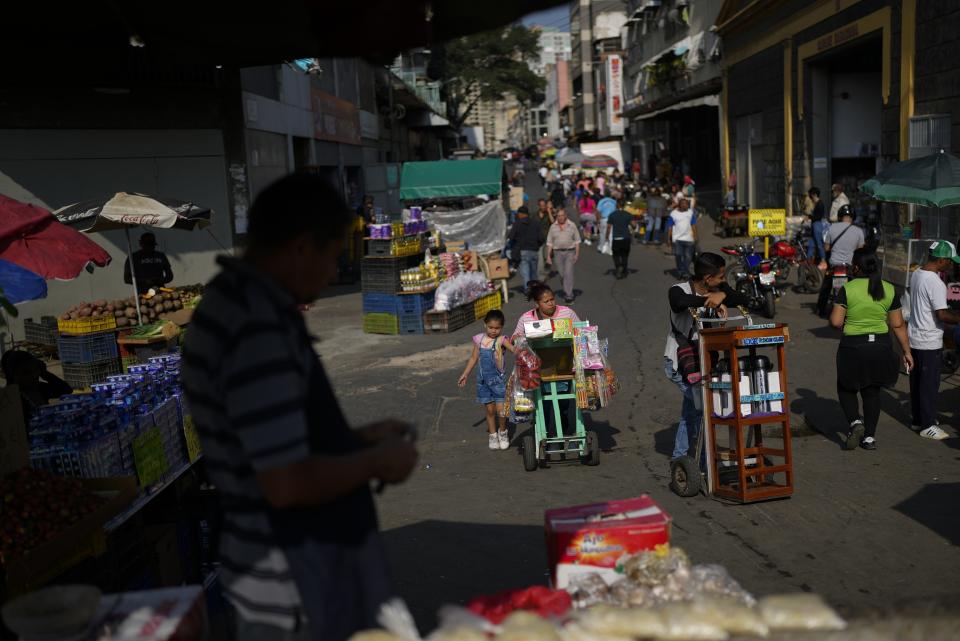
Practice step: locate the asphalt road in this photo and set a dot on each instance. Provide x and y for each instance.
(865, 529)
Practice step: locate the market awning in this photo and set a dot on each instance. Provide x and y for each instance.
(450, 178)
(702, 101)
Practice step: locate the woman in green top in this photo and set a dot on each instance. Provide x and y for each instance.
(867, 308)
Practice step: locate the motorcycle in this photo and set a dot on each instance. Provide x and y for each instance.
(839, 275)
(754, 277)
(787, 255)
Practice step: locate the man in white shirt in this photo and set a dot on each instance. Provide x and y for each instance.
(839, 200)
(682, 234)
(928, 314)
(543, 174)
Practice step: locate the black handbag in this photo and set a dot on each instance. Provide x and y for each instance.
(688, 356)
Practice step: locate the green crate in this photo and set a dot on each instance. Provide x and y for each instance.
(381, 324)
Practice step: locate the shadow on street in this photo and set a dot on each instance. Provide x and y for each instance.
(437, 563)
(935, 506)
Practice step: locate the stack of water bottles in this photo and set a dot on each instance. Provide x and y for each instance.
(92, 435)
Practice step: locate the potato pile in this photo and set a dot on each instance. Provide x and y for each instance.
(125, 310)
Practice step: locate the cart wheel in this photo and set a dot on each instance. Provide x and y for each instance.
(685, 477)
(950, 362)
(591, 450)
(529, 449)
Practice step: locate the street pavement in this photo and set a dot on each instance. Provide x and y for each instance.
(868, 530)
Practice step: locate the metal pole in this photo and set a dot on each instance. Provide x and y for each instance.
(133, 275)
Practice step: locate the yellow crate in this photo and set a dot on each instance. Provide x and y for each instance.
(86, 325)
(485, 303)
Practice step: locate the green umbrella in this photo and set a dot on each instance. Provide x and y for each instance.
(931, 181)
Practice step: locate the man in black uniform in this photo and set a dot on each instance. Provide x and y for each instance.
(150, 266)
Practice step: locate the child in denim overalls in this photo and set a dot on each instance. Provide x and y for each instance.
(491, 379)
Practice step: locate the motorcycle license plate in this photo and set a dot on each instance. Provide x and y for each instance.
(839, 281)
(768, 278)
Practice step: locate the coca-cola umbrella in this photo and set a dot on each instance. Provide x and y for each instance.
(123, 211)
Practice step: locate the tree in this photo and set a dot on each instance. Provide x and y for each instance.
(487, 66)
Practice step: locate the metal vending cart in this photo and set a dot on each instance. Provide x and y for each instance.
(746, 418)
(561, 380)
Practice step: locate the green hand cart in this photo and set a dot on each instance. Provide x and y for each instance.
(548, 442)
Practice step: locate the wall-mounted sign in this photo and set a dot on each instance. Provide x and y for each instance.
(614, 94)
(334, 119)
(820, 162)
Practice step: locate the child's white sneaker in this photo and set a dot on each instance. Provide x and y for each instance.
(504, 439)
(494, 442)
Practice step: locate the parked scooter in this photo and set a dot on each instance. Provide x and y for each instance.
(755, 277)
(836, 277)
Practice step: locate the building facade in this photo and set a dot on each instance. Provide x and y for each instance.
(595, 27)
(673, 83)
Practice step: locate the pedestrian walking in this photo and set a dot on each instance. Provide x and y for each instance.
(635, 169)
(706, 289)
(656, 212)
(619, 225)
(587, 207)
(682, 236)
(543, 175)
(839, 200)
(563, 248)
(818, 225)
(928, 314)
(547, 216)
(605, 207)
(866, 309)
(488, 348)
(301, 557)
(526, 238)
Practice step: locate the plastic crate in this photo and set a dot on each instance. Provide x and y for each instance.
(411, 324)
(382, 275)
(83, 375)
(485, 303)
(415, 303)
(381, 324)
(381, 303)
(42, 333)
(450, 321)
(86, 325)
(87, 348)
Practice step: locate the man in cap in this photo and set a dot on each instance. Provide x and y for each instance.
(151, 267)
(928, 315)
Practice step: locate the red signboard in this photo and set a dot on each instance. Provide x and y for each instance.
(335, 119)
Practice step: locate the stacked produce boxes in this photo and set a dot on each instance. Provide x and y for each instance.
(110, 431)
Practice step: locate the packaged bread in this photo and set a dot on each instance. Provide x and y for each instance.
(626, 622)
(682, 622)
(524, 626)
(576, 632)
(461, 633)
(729, 613)
(799, 611)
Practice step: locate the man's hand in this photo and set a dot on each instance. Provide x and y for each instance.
(714, 299)
(908, 361)
(394, 460)
(722, 310)
(384, 430)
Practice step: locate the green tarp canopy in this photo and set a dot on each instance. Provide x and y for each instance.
(450, 178)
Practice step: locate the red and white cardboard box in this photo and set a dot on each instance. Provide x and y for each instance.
(592, 538)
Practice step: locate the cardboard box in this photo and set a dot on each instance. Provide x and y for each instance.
(592, 538)
(83, 539)
(497, 268)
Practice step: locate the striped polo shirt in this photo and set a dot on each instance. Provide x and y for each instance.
(245, 372)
